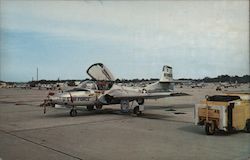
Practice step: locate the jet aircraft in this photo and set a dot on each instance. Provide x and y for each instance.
(102, 90)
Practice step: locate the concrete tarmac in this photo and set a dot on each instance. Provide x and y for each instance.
(164, 131)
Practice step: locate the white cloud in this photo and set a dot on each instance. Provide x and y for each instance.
(186, 28)
(190, 22)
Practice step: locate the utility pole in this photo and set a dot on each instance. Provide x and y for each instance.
(37, 74)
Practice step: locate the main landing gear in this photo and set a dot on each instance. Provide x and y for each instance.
(137, 107)
(137, 111)
(73, 111)
(90, 108)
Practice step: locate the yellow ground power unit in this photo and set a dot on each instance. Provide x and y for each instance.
(227, 112)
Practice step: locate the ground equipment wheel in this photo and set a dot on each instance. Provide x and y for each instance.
(210, 128)
(90, 108)
(73, 113)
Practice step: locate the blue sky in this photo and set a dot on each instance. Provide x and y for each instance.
(133, 39)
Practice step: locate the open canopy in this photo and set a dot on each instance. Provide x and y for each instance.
(100, 72)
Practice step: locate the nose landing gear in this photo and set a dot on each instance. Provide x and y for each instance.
(73, 112)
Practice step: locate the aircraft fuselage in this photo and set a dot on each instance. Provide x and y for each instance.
(76, 98)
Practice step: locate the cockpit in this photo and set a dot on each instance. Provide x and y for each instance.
(95, 85)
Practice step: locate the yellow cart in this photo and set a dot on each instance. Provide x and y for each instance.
(227, 112)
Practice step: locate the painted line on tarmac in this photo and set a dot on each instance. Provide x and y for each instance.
(31, 110)
(47, 147)
(50, 148)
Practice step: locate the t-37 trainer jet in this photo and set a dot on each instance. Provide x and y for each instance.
(102, 90)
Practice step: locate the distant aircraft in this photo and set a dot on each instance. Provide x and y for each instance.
(229, 84)
(198, 85)
(102, 90)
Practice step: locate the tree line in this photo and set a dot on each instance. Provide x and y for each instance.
(224, 78)
(221, 78)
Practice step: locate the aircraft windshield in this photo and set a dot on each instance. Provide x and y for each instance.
(95, 85)
(88, 85)
(104, 85)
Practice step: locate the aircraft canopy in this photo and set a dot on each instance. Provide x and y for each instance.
(100, 72)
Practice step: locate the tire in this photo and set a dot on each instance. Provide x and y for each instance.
(137, 111)
(248, 126)
(139, 114)
(73, 113)
(98, 107)
(90, 108)
(209, 128)
(140, 101)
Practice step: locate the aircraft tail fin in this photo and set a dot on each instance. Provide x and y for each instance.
(165, 84)
(167, 74)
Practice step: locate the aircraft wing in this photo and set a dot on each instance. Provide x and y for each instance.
(147, 95)
(117, 95)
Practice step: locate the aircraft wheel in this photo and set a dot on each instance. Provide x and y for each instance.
(90, 108)
(98, 107)
(209, 128)
(140, 101)
(139, 114)
(73, 113)
(137, 111)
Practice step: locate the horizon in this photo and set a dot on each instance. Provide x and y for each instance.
(122, 79)
(134, 39)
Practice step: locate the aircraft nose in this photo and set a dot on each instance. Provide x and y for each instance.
(60, 97)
